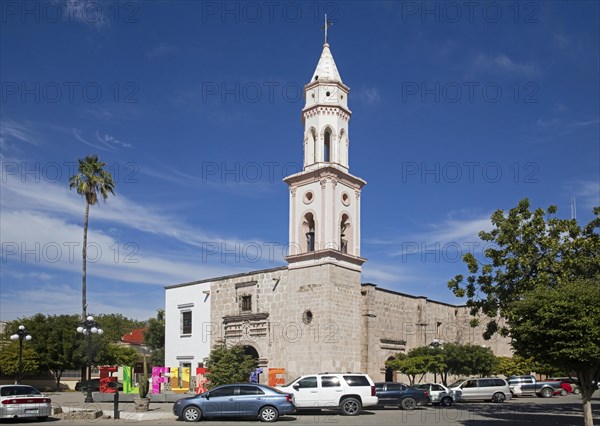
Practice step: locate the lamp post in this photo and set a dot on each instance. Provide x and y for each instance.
(21, 334)
(88, 328)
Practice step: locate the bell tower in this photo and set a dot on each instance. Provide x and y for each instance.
(324, 221)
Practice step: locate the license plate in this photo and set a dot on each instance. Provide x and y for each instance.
(31, 410)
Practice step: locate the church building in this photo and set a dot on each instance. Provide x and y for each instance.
(315, 314)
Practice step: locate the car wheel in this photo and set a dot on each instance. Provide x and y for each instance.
(408, 404)
(192, 414)
(498, 397)
(563, 392)
(350, 406)
(547, 392)
(268, 414)
(576, 391)
(446, 401)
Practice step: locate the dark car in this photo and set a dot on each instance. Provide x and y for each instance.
(400, 395)
(236, 400)
(95, 385)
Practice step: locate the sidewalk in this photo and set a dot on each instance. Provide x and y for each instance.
(73, 402)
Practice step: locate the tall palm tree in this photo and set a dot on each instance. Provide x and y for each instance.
(91, 180)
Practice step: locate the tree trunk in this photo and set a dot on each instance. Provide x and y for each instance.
(587, 387)
(58, 375)
(84, 263)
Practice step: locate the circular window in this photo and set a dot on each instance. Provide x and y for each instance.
(316, 77)
(328, 94)
(307, 317)
(345, 199)
(308, 197)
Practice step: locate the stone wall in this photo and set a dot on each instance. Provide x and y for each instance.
(394, 322)
(320, 318)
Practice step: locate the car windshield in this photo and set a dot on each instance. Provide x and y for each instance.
(456, 384)
(290, 383)
(18, 390)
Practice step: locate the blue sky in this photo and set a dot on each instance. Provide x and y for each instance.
(195, 107)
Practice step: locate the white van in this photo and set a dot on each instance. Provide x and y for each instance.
(487, 388)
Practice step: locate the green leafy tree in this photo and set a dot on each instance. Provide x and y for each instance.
(115, 326)
(419, 361)
(515, 366)
(120, 355)
(90, 182)
(536, 254)
(55, 341)
(561, 325)
(228, 365)
(154, 338)
(9, 359)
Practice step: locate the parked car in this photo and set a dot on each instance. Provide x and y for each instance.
(400, 395)
(440, 394)
(348, 392)
(485, 388)
(530, 386)
(236, 400)
(18, 401)
(568, 380)
(81, 386)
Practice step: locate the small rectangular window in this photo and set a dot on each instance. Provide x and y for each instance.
(186, 322)
(246, 303)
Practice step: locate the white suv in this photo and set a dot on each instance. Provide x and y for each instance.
(348, 392)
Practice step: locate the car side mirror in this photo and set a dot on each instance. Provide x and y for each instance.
(296, 386)
(206, 395)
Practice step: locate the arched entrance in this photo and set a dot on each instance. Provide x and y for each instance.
(390, 375)
(251, 351)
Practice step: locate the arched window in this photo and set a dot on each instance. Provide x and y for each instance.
(327, 146)
(308, 228)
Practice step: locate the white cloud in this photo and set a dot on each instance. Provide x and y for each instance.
(502, 63)
(368, 95)
(80, 138)
(88, 12)
(13, 131)
(111, 141)
(449, 239)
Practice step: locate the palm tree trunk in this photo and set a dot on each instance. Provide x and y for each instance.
(83, 279)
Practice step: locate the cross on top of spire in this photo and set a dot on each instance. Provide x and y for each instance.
(325, 26)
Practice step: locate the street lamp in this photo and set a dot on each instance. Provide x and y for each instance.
(89, 327)
(21, 334)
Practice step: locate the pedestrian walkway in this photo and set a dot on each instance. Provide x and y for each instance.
(72, 405)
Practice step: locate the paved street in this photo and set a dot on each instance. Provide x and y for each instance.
(523, 411)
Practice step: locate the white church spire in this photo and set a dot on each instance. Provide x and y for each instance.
(326, 68)
(324, 196)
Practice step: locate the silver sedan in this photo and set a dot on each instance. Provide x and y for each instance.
(17, 401)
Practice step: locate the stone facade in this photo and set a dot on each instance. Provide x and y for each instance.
(321, 318)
